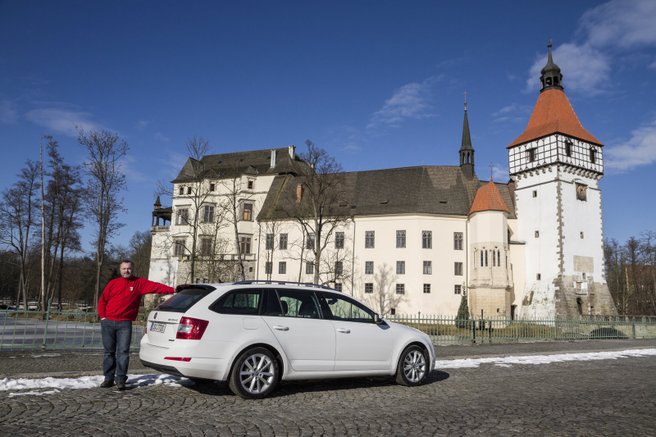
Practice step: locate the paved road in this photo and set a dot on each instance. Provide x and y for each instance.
(578, 398)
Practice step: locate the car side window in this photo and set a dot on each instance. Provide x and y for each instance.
(343, 308)
(246, 302)
(272, 306)
(297, 303)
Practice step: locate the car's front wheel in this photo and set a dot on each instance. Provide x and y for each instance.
(413, 366)
(255, 374)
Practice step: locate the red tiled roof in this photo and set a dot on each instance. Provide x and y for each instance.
(553, 114)
(488, 198)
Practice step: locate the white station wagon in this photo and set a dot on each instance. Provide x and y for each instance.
(254, 334)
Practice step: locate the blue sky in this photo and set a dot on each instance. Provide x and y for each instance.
(378, 84)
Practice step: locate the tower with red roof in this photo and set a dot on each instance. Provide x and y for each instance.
(556, 165)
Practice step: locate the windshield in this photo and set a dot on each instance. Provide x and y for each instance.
(185, 299)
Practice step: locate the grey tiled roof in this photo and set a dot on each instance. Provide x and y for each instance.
(439, 190)
(228, 165)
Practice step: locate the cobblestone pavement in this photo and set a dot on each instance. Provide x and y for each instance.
(577, 398)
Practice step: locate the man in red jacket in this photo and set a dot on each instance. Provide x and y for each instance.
(117, 308)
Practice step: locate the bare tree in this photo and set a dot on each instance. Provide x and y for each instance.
(234, 209)
(384, 296)
(319, 196)
(62, 205)
(18, 212)
(105, 182)
(197, 194)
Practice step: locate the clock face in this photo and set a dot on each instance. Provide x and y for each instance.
(581, 191)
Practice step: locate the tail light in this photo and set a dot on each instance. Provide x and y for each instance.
(191, 329)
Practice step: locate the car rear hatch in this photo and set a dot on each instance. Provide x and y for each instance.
(168, 320)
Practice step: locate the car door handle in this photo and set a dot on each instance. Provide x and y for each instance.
(344, 330)
(281, 328)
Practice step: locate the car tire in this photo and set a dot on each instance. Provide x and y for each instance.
(413, 366)
(255, 374)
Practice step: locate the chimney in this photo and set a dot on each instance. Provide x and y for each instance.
(299, 192)
(292, 151)
(274, 154)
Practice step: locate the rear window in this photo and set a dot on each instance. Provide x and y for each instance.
(185, 299)
(245, 302)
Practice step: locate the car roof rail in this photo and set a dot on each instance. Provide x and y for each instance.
(278, 282)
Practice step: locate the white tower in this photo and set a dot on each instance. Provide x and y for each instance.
(556, 165)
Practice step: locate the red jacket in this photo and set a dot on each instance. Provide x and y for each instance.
(121, 297)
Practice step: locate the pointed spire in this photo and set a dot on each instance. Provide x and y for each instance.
(551, 76)
(466, 149)
(158, 204)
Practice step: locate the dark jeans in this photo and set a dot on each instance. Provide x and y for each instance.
(116, 337)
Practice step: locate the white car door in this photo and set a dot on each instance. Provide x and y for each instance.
(360, 343)
(307, 340)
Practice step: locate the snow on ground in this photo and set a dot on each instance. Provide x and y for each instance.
(49, 385)
(543, 359)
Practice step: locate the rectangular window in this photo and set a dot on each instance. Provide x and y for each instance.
(426, 239)
(338, 286)
(181, 190)
(428, 267)
(188, 190)
(206, 246)
(531, 154)
(269, 242)
(309, 268)
(339, 267)
(182, 217)
(208, 214)
(368, 267)
(369, 239)
(247, 212)
(212, 187)
(427, 288)
(400, 267)
(457, 240)
(593, 156)
(368, 287)
(179, 247)
(457, 268)
(250, 184)
(568, 148)
(283, 242)
(457, 289)
(339, 240)
(268, 267)
(400, 288)
(400, 239)
(282, 267)
(245, 244)
(309, 242)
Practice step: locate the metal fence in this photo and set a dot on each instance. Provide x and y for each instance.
(453, 331)
(68, 330)
(74, 330)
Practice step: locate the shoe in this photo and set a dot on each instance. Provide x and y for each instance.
(107, 384)
(121, 386)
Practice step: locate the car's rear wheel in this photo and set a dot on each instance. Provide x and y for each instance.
(413, 366)
(255, 374)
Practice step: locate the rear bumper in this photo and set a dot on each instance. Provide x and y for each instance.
(197, 367)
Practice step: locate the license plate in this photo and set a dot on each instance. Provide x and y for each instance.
(157, 326)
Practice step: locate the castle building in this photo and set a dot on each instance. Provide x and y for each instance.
(405, 240)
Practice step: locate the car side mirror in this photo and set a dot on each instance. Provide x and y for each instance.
(377, 319)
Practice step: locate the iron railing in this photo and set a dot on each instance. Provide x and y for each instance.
(73, 330)
(451, 331)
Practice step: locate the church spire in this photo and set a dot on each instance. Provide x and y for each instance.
(466, 149)
(551, 76)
